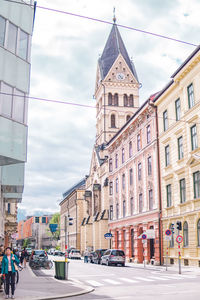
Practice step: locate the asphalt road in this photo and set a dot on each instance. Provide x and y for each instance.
(133, 282)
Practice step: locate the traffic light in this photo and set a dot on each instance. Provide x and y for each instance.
(179, 225)
(172, 228)
(70, 221)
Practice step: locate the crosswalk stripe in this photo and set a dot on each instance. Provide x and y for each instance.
(128, 280)
(173, 277)
(159, 278)
(144, 279)
(111, 281)
(94, 283)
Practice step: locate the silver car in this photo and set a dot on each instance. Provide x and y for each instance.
(113, 257)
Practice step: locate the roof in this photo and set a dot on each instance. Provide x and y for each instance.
(73, 188)
(97, 150)
(114, 46)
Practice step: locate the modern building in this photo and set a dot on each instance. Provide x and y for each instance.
(178, 106)
(16, 28)
(72, 206)
(134, 200)
(117, 99)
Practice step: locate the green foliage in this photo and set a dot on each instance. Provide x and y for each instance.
(57, 247)
(55, 220)
(26, 243)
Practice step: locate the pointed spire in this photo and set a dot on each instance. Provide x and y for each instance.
(114, 18)
(114, 46)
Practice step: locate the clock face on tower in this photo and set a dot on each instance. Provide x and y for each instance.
(120, 76)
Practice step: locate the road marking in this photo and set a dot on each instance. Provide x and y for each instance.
(94, 283)
(128, 280)
(159, 278)
(111, 281)
(143, 278)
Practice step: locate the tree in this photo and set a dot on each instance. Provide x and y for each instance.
(55, 220)
(26, 243)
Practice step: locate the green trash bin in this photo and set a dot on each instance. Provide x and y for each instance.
(59, 270)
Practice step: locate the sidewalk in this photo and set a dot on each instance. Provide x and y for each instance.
(31, 287)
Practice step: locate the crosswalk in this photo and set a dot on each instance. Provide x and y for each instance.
(135, 280)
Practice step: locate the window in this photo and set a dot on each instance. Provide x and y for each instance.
(138, 142)
(116, 161)
(132, 243)
(112, 121)
(150, 199)
(196, 184)
(109, 99)
(6, 105)
(180, 147)
(124, 209)
(148, 134)
(125, 100)
(111, 188)
(132, 205)
(12, 38)
(139, 171)
(131, 103)
(149, 164)
(44, 220)
(130, 149)
(123, 155)
(18, 106)
(2, 30)
(116, 99)
(178, 109)
(167, 160)
(117, 185)
(194, 137)
(185, 234)
(171, 244)
(23, 45)
(131, 176)
(190, 92)
(169, 195)
(110, 165)
(198, 233)
(111, 212)
(128, 118)
(37, 219)
(117, 211)
(123, 181)
(165, 120)
(8, 208)
(140, 203)
(182, 190)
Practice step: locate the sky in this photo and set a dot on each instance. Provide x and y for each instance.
(65, 50)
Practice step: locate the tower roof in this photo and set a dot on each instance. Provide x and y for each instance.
(114, 46)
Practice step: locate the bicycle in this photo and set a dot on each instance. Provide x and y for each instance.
(38, 263)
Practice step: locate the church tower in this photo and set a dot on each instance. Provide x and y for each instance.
(116, 89)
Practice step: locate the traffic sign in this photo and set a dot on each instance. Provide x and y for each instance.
(144, 236)
(108, 235)
(168, 232)
(179, 239)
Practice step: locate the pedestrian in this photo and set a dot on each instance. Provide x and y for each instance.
(8, 267)
(23, 257)
(86, 254)
(1, 258)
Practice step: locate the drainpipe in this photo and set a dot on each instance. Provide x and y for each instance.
(104, 96)
(159, 185)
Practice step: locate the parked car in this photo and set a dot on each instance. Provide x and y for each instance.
(58, 253)
(91, 257)
(75, 254)
(97, 255)
(51, 251)
(37, 254)
(113, 257)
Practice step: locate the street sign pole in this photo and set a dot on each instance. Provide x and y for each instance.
(167, 255)
(179, 258)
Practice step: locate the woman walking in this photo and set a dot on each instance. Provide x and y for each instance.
(8, 268)
(23, 257)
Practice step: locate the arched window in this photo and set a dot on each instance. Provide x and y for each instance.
(131, 102)
(115, 99)
(109, 99)
(127, 118)
(112, 118)
(171, 244)
(125, 100)
(185, 234)
(198, 232)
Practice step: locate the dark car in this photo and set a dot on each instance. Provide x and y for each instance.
(91, 257)
(37, 254)
(113, 257)
(97, 255)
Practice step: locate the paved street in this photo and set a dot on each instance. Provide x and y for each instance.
(133, 282)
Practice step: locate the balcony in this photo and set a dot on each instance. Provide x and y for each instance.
(12, 182)
(13, 141)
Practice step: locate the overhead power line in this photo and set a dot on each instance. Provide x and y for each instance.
(107, 22)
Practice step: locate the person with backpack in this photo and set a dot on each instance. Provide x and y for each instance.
(8, 267)
(23, 257)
